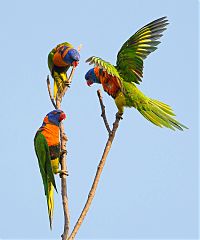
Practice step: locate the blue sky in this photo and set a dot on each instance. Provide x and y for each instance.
(148, 188)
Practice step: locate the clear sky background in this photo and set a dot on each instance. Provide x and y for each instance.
(148, 188)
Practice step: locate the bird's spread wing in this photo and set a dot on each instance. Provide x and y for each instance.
(107, 67)
(44, 160)
(137, 48)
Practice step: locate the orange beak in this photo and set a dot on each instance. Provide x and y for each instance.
(62, 116)
(75, 63)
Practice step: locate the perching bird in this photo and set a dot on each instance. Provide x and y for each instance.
(47, 148)
(119, 81)
(59, 60)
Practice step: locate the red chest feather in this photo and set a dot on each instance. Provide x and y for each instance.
(110, 83)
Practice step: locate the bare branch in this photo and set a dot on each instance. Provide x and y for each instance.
(79, 47)
(63, 141)
(49, 91)
(63, 163)
(103, 112)
(97, 177)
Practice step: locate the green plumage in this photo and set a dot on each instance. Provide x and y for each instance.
(129, 70)
(44, 161)
(155, 111)
(132, 53)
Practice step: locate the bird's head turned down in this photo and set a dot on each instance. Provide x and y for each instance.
(91, 77)
(72, 57)
(56, 116)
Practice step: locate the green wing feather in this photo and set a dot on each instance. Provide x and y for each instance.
(50, 60)
(44, 160)
(137, 48)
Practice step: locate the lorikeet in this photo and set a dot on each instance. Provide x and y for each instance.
(119, 81)
(47, 148)
(59, 60)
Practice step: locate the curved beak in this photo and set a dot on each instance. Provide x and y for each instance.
(62, 116)
(89, 82)
(75, 63)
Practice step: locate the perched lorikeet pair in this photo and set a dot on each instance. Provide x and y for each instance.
(59, 60)
(46, 141)
(47, 148)
(119, 81)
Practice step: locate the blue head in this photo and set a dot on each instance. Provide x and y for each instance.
(72, 57)
(54, 117)
(91, 77)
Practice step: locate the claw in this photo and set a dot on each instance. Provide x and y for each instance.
(67, 84)
(62, 152)
(63, 172)
(119, 115)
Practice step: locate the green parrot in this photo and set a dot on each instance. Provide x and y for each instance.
(59, 61)
(119, 81)
(47, 148)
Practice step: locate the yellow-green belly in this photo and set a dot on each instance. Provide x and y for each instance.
(55, 165)
(120, 101)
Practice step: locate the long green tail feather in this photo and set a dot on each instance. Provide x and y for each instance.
(50, 202)
(159, 114)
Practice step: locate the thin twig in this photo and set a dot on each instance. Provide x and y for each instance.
(49, 90)
(68, 82)
(97, 177)
(103, 113)
(63, 161)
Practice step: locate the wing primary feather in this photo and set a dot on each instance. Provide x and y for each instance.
(138, 47)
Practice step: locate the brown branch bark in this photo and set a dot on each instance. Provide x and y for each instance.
(49, 91)
(63, 161)
(99, 169)
(103, 114)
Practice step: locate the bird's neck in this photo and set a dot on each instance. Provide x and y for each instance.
(97, 75)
